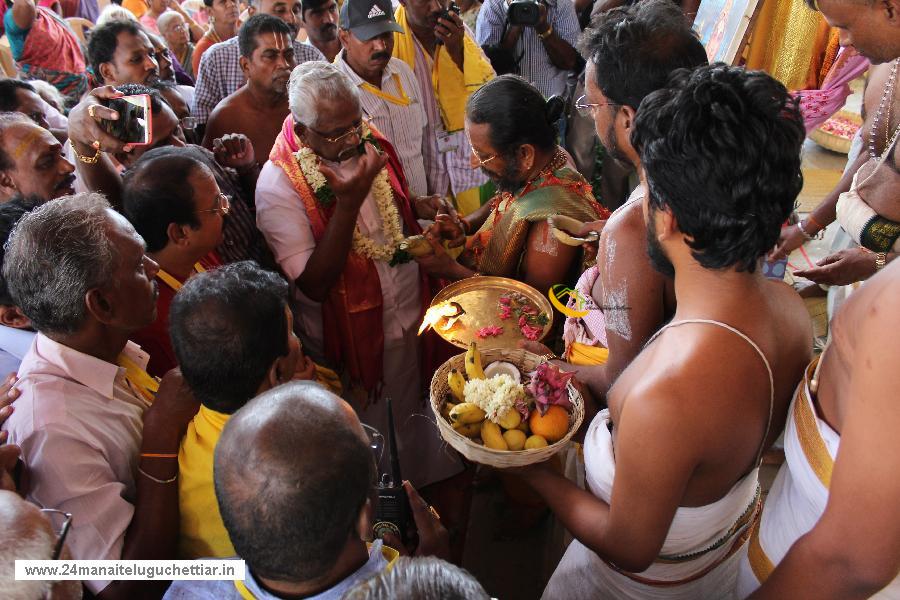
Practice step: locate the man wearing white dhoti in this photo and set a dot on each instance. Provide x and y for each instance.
(830, 527)
(671, 466)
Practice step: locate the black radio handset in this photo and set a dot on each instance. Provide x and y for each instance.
(392, 513)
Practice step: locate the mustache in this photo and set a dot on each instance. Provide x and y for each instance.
(328, 27)
(380, 56)
(69, 181)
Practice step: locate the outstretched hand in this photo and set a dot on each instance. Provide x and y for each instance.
(841, 268)
(85, 118)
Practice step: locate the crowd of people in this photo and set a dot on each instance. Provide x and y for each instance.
(203, 325)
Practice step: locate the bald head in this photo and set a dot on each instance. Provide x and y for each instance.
(293, 470)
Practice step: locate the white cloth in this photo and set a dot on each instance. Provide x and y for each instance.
(403, 126)
(79, 425)
(282, 219)
(797, 500)
(582, 574)
(14, 345)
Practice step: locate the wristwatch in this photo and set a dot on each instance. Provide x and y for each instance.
(880, 260)
(547, 33)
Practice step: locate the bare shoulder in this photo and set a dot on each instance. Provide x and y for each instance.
(623, 241)
(231, 107)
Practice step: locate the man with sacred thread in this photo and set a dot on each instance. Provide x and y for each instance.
(333, 204)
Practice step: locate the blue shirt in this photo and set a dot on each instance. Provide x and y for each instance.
(226, 589)
(14, 344)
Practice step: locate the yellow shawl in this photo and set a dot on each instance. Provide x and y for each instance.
(451, 86)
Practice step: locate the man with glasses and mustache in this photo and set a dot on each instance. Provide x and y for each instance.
(320, 18)
(257, 109)
(172, 200)
(388, 91)
(332, 203)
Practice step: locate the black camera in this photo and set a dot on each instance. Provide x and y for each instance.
(524, 12)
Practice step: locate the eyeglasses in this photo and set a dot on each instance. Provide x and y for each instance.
(586, 109)
(189, 123)
(356, 130)
(223, 206)
(481, 161)
(62, 532)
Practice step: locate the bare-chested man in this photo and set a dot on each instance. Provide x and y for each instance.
(830, 527)
(672, 465)
(869, 191)
(630, 52)
(259, 107)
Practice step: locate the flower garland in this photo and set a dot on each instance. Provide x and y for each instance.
(381, 192)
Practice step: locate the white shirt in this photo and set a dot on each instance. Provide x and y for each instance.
(79, 425)
(403, 126)
(282, 219)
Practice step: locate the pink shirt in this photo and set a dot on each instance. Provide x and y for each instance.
(79, 425)
(149, 23)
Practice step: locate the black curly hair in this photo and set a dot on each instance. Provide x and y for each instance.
(720, 147)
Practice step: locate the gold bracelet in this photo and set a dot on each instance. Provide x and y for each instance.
(880, 260)
(154, 479)
(155, 455)
(88, 160)
(547, 33)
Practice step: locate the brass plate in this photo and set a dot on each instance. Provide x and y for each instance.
(479, 298)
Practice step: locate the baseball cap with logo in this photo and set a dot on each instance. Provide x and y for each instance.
(368, 18)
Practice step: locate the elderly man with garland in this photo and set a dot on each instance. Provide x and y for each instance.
(333, 204)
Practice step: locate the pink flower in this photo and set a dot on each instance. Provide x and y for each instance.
(505, 312)
(548, 386)
(489, 331)
(531, 332)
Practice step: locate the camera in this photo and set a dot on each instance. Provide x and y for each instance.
(524, 12)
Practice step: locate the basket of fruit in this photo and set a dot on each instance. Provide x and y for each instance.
(517, 410)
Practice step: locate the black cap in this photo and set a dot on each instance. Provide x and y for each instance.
(368, 18)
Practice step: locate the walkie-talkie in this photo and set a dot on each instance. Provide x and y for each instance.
(392, 513)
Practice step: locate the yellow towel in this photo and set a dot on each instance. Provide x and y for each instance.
(202, 532)
(582, 354)
(452, 86)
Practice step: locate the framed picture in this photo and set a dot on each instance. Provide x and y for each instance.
(723, 26)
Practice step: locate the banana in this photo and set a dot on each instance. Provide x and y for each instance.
(534, 442)
(469, 430)
(515, 439)
(491, 436)
(445, 412)
(465, 413)
(457, 384)
(510, 419)
(417, 246)
(473, 363)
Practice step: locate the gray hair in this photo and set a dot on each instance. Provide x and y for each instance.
(425, 578)
(315, 81)
(55, 255)
(115, 12)
(162, 23)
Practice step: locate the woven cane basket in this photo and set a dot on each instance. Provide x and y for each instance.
(526, 362)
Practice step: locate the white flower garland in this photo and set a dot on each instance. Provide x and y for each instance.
(384, 200)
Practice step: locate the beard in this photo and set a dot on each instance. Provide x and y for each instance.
(509, 180)
(655, 251)
(611, 146)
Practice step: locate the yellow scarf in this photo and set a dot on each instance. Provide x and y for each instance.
(141, 381)
(203, 533)
(582, 354)
(451, 86)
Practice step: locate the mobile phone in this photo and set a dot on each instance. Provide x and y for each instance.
(135, 123)
(445, 14)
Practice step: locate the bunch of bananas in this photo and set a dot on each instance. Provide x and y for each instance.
(466, 418)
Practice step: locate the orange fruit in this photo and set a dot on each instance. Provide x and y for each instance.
(552, 425)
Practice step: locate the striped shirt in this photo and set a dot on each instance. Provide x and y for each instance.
(403, 126)
(535, 65)
(220, 75)
(450, 168)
